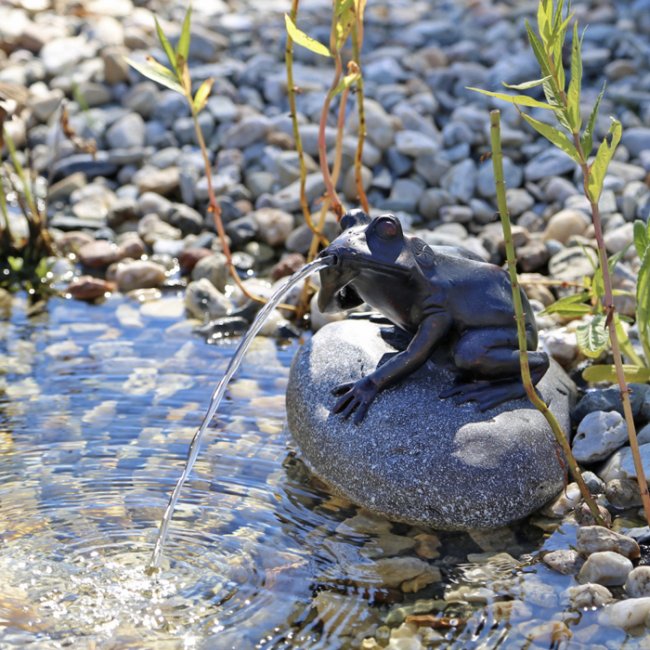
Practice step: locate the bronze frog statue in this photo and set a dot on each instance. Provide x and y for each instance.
(439, 296)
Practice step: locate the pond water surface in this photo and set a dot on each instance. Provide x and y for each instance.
(97, 407)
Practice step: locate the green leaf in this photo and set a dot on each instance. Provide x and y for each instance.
(643, 305)
(346, 82)
(299, 37)
(640, 238)
(587, 139)
(592, 337)
(538, 50)
(158, 73)
(573, 96)
(624, 342)
(167, 46)
(15, 263)
(633, 374)
(598, 168)
(527, 84)
(554, 136)
(543, 19)
(519, 100)
(202, 94)
(183, 47)
(570, 305)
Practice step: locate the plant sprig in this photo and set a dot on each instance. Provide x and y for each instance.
(569, 136)
(177, 77)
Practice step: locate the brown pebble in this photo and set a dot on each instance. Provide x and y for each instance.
(86, 287)
(288, 265)
(189, 258)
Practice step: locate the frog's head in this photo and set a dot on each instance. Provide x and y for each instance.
(369, 246)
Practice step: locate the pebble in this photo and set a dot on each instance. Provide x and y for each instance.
(86, 287)
(605, 568)
(214, 268)
(550, 162)
(625, 613)
(564, 561)
(139, 274)
(274, 225)
(99, 254)
(565, 224)
(414, 144)
(623, 493)
(128, 132)
(460, 180)
(589, 595)
(203, 300)
(599, 434)
(592, 539)
(637, 584)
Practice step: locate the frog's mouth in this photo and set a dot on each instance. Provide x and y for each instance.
(336, 292)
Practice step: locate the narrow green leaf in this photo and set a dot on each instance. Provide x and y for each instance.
(543, 19)
(346, 82)
(643, 305)
(570, 305)
(624, 342)
(573, 96)
(527, 84)
(554, 136)
(592, 337)
(640, 238)
(166, 46)
(538, 51)
(183, 47)
(202, 94)
(299, 37)
(158, 73)
(633, 374)
(598, 168)
(519, 100)
(587, 139)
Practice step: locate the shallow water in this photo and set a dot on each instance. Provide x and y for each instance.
(97, 407)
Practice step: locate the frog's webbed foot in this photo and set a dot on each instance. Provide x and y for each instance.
(355, 397)
(486, 393)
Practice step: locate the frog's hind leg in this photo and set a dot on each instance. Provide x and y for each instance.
(489, 358)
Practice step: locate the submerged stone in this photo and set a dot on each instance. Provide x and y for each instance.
(416, 457)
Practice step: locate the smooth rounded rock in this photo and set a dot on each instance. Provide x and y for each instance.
(414, 455)
(593, 539)
(139, 274)
(637, 584)
(589, 595)
(626, 613)
(598, 436)
(605, 568)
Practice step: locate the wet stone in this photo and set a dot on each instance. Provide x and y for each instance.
(564, 561)
(388, 477)
(626, 613)
(589, 595)
(591, 539)
(139, 274)
(605, 568)
(203, 299)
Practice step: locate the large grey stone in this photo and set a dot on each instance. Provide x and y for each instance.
(416, 457)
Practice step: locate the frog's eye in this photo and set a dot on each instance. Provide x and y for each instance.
(387, 228)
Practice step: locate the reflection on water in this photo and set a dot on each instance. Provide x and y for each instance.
(97, 407)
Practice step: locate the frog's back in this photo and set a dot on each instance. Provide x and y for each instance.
(478, 294)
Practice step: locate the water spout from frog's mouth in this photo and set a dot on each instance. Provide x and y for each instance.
(193, 452)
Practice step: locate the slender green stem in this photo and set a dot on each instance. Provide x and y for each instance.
(560, 437)
(291, 94)
(357, 41)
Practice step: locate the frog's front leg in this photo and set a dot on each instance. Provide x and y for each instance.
(356, 397)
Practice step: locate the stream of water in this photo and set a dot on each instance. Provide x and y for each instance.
(217, 396)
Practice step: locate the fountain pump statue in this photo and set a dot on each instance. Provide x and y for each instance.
(436, 296)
